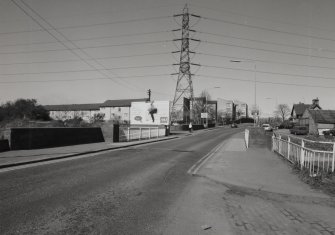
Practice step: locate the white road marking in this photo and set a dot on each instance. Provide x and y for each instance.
(195, 168)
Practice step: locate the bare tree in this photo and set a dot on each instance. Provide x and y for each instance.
(199, 106)
(283, 111)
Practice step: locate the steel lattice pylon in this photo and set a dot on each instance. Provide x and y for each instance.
(183, 98)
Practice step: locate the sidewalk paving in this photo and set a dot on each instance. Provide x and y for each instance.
(255, 168)
(22, 157)
(262, 194)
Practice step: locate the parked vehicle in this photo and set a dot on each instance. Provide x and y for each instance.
(330, 132)
(233, 125)
(299, 130)
(267, 127)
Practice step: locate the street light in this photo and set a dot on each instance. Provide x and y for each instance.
(255, 82)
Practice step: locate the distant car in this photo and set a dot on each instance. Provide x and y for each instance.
(233, 125)
(330, 132)
(299, 130)
(267, 127)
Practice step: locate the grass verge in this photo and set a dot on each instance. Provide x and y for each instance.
(324, 181)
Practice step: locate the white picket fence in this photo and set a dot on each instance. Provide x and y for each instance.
(139, 133)
(312, 159)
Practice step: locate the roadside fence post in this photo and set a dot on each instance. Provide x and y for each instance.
(302, 154)
(140, 133)
(128, 134)
(273, 142)
(333, 163)
(288, 147)
(279, 144)
(157, 132)
(149, 132)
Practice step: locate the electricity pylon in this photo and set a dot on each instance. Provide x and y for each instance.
(182, 105)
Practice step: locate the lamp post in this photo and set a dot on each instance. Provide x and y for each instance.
(255, 85)
(273, 98)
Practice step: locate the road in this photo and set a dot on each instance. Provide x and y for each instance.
(139, 190)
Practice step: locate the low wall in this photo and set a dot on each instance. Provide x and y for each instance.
(34, 138)
(195, 127)
(130, 133)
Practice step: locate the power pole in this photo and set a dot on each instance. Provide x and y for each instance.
(149, 94)
(182, 106)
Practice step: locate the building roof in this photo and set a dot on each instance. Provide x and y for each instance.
(121, 103)
(323, 116)
(72, 107)
(300, 108)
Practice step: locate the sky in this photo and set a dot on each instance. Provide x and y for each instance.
(83, 51)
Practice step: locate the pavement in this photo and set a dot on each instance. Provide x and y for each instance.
(24, 157)
(263, 195)
(234, 190)
(256, 168)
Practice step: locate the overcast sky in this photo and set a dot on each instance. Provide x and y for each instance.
(84, 51)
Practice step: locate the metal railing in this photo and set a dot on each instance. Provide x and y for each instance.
(246, 138)
(315, 160)
(140, 133)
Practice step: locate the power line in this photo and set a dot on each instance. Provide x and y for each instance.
(275, 73)
(266, 61)
(268, 50)
(87, 47)
(86, 26)
(267, 42)
(86, 14)
(63, 36)
(96, 58)
(274, 83)
(82, 79)
(53, 80)
(85, 70)
(262, 18)
(86, 39)
(268, 29)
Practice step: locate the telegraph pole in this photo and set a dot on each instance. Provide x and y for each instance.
(182, 111)
(149, 94)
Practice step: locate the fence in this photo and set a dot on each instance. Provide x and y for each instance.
(139, 133)
(312, 159)
(246, 138)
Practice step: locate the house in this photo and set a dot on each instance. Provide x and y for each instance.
(299, 109)
(318, 120)
(112, 109)
(118, 109)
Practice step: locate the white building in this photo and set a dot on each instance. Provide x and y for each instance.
(70, 111)
(118, 109)
(112, 109)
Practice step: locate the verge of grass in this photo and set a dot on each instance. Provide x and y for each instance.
(324, 181)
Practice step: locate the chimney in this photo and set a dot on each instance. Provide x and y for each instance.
(315, 101)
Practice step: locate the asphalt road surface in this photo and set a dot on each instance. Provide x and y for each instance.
(139, 190)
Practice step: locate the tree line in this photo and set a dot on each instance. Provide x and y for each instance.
(23, 109)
